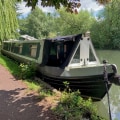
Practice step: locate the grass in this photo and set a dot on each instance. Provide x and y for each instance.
(12, 66)
(41, 88)
(33, 85)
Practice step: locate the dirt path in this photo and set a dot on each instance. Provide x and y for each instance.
(17, 103)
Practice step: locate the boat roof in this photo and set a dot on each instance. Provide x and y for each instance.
(27, 37)
(64, 38)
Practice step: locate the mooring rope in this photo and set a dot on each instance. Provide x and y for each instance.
(107, 83)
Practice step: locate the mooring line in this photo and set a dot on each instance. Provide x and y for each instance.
(106, 84)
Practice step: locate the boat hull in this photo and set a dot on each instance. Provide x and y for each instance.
(93, 86)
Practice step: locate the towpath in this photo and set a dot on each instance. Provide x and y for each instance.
(19, 103)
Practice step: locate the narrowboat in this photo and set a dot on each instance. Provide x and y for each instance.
(70, 59)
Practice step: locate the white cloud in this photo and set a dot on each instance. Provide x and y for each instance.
(23, 8)
(46, 9)
(90, 5)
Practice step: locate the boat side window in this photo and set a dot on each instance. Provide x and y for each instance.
(12, 47)
(5, 46)
(53, 50)
(16, 47)
(59, 53)
(20, 48)
(76, 58)
(33, 50)
(52, 57)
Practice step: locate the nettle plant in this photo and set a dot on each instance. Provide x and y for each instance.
(27, 70)
(73, 107)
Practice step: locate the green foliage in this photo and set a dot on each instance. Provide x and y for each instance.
(68, 23)
(73, 107)
(37, 24)
(33, 85)
(41, 25)
(27, 70)
(66, 84)
(8, 20)
(40, 87)
(10, 65)
(105, 32)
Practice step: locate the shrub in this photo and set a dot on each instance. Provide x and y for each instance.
(27, 70)
(73, 107)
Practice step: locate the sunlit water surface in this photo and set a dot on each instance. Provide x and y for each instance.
(113, 57)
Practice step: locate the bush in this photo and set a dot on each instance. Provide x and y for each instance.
(27, 70)
(73, 107)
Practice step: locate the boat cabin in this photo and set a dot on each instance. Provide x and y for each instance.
(75, 50)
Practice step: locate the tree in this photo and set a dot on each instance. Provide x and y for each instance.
(106, 32)
(37, 24)
(112, 15)
(68, 23)
(8, 19)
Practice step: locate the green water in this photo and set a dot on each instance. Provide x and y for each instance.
(113, 57)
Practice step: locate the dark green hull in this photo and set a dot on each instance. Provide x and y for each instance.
(90, 86)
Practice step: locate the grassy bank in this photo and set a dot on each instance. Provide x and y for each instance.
(12, 66)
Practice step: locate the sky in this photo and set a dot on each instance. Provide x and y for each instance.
(85, 5)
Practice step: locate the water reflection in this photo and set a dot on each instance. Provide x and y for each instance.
(113, 56)
(114, 102)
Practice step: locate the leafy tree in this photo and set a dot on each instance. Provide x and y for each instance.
(98, 35)
(106, 32)
(22, 26)
(37, 24)
(113, 19)
(68, 23)
(8, 19)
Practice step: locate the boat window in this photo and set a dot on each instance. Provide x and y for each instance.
(76, 58)
(91, 55)
(20, 48)
(6, 46)
(15, 47)
(53, 50)
(33, 50)
(52, 58)
(59, 52)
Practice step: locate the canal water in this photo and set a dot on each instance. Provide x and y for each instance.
(114, 94)
(113, 57)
